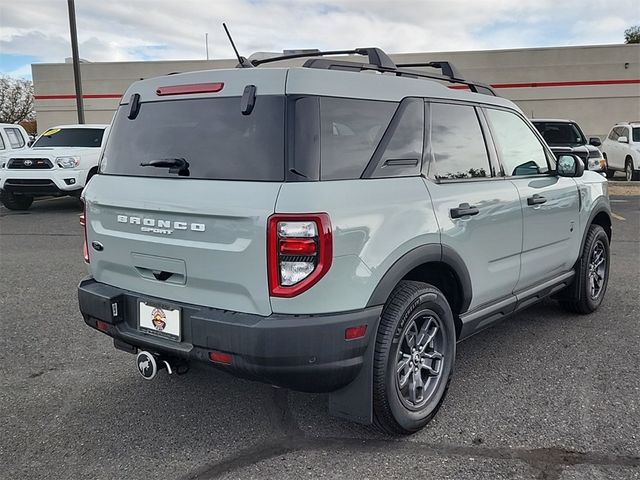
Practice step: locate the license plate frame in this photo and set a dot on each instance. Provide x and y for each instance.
(160, 320)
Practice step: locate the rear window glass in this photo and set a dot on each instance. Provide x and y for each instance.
(458, 146)
(350, 130)
(636, 134)
(70, 137)
(211, 134)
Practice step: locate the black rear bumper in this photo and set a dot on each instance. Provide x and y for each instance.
(303, 352)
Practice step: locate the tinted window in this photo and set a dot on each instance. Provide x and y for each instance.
(520, 150)
(211, 134)
(400, 152)
(71, 137)
(560, 133)
(15, 137)
(636, 134)
(350, 131)
(621, 132)
(457, 143)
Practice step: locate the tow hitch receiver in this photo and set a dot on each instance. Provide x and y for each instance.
(149, 364)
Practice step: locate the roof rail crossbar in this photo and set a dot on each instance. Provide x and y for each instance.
(329, 64)
(375, 55)
(447, 68)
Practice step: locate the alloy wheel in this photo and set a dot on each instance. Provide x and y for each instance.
(420, 358)
(597, 270)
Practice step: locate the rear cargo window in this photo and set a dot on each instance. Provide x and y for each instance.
(211, 134)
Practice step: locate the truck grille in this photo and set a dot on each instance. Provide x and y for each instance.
(29, 163)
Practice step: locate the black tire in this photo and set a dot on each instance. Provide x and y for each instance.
(15, 202)
(610, 173)
(629, 171)
(580, 296)
(421, 311)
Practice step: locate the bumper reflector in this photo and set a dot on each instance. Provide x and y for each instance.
(102, 326)
(353, 333)
(220, 357)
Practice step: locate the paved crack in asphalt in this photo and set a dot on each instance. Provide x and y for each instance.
(550, 462)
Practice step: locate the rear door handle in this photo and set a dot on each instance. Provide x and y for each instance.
(536, 200)
(463, 210)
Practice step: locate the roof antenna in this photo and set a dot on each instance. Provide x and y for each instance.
(242, 62)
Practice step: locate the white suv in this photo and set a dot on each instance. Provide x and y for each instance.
(621, 149)
(60, 163)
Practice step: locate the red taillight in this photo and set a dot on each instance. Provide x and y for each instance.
(189, 89)
(353, 333)
(299, 252)
(85, 246)
(221, 357)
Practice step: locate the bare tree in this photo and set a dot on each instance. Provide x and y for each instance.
(632, 34)
(16, 100)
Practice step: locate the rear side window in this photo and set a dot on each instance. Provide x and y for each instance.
(211, 134)
(520, 150)
(350, 130)
(400, 151)
(621, 132)
(636, 134)
(2, 147)
(71, 137)
(458, 146)
(15, 137)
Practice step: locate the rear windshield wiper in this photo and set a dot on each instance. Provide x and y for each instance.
(175, 165)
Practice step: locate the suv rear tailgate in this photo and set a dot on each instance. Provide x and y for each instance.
(201, 242)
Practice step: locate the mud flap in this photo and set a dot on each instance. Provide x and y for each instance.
(354, 402)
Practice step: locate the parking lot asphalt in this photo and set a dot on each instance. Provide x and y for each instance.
(544, 394)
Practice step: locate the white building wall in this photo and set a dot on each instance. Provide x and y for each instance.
(520, 75)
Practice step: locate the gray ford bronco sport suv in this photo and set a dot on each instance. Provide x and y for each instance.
(336, 227)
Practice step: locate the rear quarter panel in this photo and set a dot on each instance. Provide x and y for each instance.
(374, 223)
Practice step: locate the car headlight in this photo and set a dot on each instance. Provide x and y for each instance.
(597, 164)
(68, 162)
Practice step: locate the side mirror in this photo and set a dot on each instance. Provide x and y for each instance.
(32, 139)
(595, 141)
(623, 139)
(570, 165)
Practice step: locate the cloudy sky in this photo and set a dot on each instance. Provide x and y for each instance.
(33, 31)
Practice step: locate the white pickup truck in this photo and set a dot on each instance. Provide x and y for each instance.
(60, 163)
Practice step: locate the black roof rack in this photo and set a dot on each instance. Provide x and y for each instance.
(376, 56)
(380, 62)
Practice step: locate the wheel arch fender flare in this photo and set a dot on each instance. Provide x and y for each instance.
(601, 207)
(433, 252)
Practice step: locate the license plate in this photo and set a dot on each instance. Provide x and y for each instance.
(161, 321)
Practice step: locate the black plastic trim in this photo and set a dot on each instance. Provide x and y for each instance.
(433, 252)
(302, 352)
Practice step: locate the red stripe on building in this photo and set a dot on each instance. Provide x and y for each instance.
(577, 83)
(73, 97)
